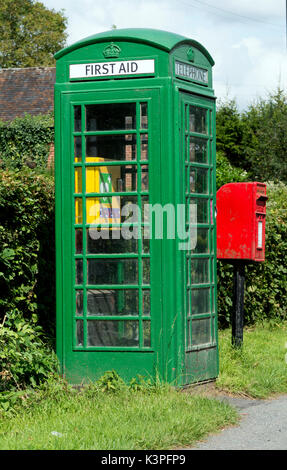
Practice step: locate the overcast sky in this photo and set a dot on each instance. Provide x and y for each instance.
(246, 38)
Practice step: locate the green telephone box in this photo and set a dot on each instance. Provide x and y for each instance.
(135, 208)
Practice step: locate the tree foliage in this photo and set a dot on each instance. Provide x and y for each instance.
(30, 33)
(230, 133)
(265, 137)
(256, 139)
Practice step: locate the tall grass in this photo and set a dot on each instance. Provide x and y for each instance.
(259, 369)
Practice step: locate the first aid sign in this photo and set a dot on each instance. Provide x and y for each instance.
(108, 69)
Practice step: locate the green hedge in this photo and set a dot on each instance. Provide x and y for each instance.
(266, 283)
(27, 266)
(26, 142)
(226, 173)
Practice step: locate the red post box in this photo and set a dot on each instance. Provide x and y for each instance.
(241, 213)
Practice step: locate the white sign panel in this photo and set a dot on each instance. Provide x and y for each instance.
(109, 69)
(260, 232)
(191, 72)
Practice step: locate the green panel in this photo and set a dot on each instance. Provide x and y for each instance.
(82, 367)
(200, 365)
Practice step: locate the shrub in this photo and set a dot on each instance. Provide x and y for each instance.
(27, 278)
(26, 141)
(25, 359)
(226, 173)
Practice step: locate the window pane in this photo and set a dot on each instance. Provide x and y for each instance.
(200, 301)
(79, 302)
(78, 210)
(145, 209)
(129, 209)
(110, 147)
(105, 210)
(144, 147)
(112, 302)
(110, 179)
(115, 241)
(79, 333)
(79, 241)
(202, 245)
(199, 271)
(188, 332)
(144, 179)
(200, 331)
(78, 180)
(198, 150)
(111, 210)
(202, 206)
(198, 180)
(146, 302)
(113, 333)
(113, 116)
(143, 116)
(78, 148)
(113, 271)
(197, 120)
(146, 270)
(188, 305)
(79, 271)
(145, 241)
(146, 334)
(187, 271)
(77, 118)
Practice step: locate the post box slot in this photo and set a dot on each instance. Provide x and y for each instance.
(262, 198)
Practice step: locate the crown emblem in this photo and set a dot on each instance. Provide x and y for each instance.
(190, 55)
(111, 51)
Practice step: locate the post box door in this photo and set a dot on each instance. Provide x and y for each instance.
(198, 150)
(110, 271)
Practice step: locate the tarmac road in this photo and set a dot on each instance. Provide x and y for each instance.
(263, 426)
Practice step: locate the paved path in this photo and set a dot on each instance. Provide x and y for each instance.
(263, 426)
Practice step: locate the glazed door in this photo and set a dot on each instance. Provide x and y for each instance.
(198, 160)
(111, 269)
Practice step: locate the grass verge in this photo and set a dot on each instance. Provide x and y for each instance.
(259, 368)
(110, 415)
(149, 418)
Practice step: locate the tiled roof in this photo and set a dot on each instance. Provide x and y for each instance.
(27, 90)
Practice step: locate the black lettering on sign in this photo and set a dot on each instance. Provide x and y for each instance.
(97, 69)
(87, 69)
(134, 67)
(105, 69)
(122, 68)
(191, 72)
